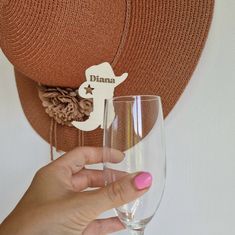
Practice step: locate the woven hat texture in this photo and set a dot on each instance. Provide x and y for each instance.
(158, 43)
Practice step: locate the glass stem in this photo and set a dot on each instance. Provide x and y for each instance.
(137, 232)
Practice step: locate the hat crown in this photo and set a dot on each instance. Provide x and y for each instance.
(54, 42)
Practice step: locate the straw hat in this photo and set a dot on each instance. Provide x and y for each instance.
(54, 44)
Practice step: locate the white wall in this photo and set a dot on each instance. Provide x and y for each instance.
(200, 192)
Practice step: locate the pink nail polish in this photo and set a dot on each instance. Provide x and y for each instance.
(143, 180)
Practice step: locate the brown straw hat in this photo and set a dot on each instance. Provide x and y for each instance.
(52, 43)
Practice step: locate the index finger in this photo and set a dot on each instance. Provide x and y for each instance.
(77, 158)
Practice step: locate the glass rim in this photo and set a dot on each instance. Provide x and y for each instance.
(133, 97)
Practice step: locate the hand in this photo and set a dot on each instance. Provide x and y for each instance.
(56, 203)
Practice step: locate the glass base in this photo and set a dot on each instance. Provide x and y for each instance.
(137, 232)
(131, 223)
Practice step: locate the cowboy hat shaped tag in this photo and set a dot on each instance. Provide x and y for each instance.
(99, 85)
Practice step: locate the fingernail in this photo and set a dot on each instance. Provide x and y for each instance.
(143, 180)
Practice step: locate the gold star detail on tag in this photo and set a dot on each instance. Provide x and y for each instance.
(89, 89)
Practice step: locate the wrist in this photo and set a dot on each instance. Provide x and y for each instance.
(18, 224)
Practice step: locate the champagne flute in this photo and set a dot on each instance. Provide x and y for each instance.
(134, 125)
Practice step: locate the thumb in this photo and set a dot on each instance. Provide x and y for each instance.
(120, 192)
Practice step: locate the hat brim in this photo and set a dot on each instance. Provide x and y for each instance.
(66, 137)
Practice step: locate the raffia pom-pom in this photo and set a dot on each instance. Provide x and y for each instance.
(64, 105)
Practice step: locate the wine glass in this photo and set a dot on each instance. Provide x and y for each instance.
(134, 125)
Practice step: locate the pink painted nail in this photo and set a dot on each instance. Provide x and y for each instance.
(143, 180)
